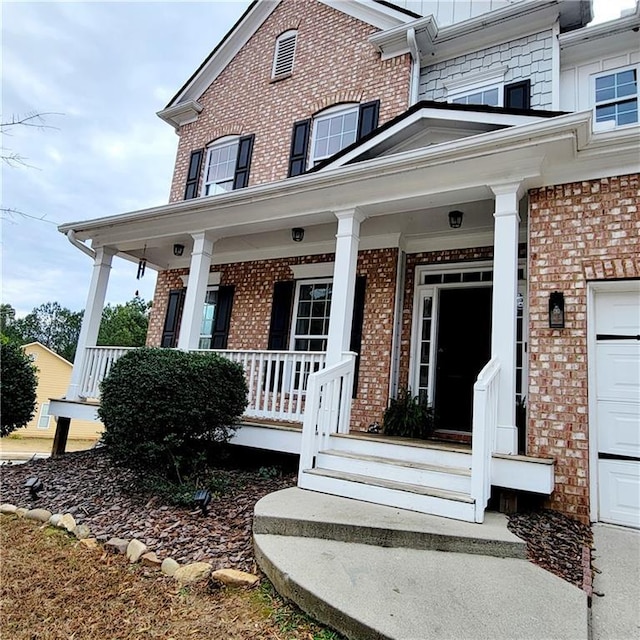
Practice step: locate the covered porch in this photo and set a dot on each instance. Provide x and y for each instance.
(398, 202)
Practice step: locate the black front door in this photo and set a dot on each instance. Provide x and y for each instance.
(463, 348)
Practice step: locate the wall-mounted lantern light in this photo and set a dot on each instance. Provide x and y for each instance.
(297, 234)
(455, 219)
(178, 250)
(556, 310)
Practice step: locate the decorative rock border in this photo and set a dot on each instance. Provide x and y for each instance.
(135, 550)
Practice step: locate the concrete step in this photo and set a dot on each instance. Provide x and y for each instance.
(310, 514)
(374, 593)
(439, 502)
(456, 479)
(409, 450)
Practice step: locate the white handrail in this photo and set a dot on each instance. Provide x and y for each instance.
(485, 420)
(328, 409)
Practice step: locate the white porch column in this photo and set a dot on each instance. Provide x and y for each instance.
(504, 312)
(92, 315)
(196, 291)
(344, 283)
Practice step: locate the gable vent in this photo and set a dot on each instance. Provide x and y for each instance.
(285, 51)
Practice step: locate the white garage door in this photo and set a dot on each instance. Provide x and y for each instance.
(618, 406)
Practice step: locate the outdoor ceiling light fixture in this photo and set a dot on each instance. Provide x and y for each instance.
(202, 498)
(455, 219)
(297, 234)
(34, 485)
(556, 310)
(178, 250)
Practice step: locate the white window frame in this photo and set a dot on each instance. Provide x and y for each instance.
(451, 98)
(44, 414)
(281, 55)
(203, 336)
(613, 124)
(483, 81)
(294, 320)
(210, 187)
(328, 114)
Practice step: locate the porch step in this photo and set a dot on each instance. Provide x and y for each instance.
(457, 479)
(439, 502)
(295, 512)
(408, 450)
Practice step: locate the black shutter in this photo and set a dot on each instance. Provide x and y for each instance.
(518, 95)
(222, 320)
(281, 315)
(368, 118)
(193, 175)
(299, 145)
(172, 319)
(356, 326)
(243, 162)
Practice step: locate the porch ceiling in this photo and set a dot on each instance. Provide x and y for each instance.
(410, 192)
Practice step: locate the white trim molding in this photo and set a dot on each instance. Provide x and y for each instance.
(213, 281)
(315, 270)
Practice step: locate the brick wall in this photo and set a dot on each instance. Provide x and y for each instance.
(333, 63)
(251, 316)
(578, 232)
(527, 57)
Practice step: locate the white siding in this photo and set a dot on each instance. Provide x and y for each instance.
(576, 90)
(448, 12)
(527, 57)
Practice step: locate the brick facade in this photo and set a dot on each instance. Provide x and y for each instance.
(251, 315)
(529, 57)
(578, 232)
(334, 63)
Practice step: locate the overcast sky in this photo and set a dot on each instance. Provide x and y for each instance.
(101, 70)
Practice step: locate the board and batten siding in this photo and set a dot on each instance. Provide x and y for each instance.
(54, 375)
(448, 12)
(529, 57)
(576, 81)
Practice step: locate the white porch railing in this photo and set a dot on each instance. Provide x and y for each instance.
(96, 365)
(485, 419)
(277, 380)
(328, 408)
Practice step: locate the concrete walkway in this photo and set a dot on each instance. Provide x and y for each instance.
(616, 556)
(378, 572)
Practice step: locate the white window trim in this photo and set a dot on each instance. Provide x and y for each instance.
(217, 144)
(479, 81)
(609, 125)
(44, 412)
(276, 54)
(338, 109)
(296, 301)
(314, 270)
(201, 335)
(482, 88)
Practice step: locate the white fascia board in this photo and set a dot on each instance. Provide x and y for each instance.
(181, 114)
(393, 42)
(374, 13)
(252, 206)
(444, 115)
(610, 29)
(227, 50)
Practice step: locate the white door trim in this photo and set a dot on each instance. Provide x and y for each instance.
(592, 289)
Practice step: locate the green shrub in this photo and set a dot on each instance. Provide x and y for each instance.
(406, 416)
(18, 383)
(167, 412)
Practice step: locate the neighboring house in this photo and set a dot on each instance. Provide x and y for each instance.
(54, 376)
(453, 197)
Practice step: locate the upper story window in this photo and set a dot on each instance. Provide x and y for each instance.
(334, 130)
(330, 131)
(220, 166)
(616, 97)
(227, 166)
(490, 96)
(284, 54)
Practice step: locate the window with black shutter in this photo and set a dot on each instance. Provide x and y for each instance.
(172, 318)
(356, 326)
(222, 320)
(299, 147)
(368, 118)
(193, 174)
(518, 95)
(243, 162)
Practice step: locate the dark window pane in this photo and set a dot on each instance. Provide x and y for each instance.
(475, 276)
